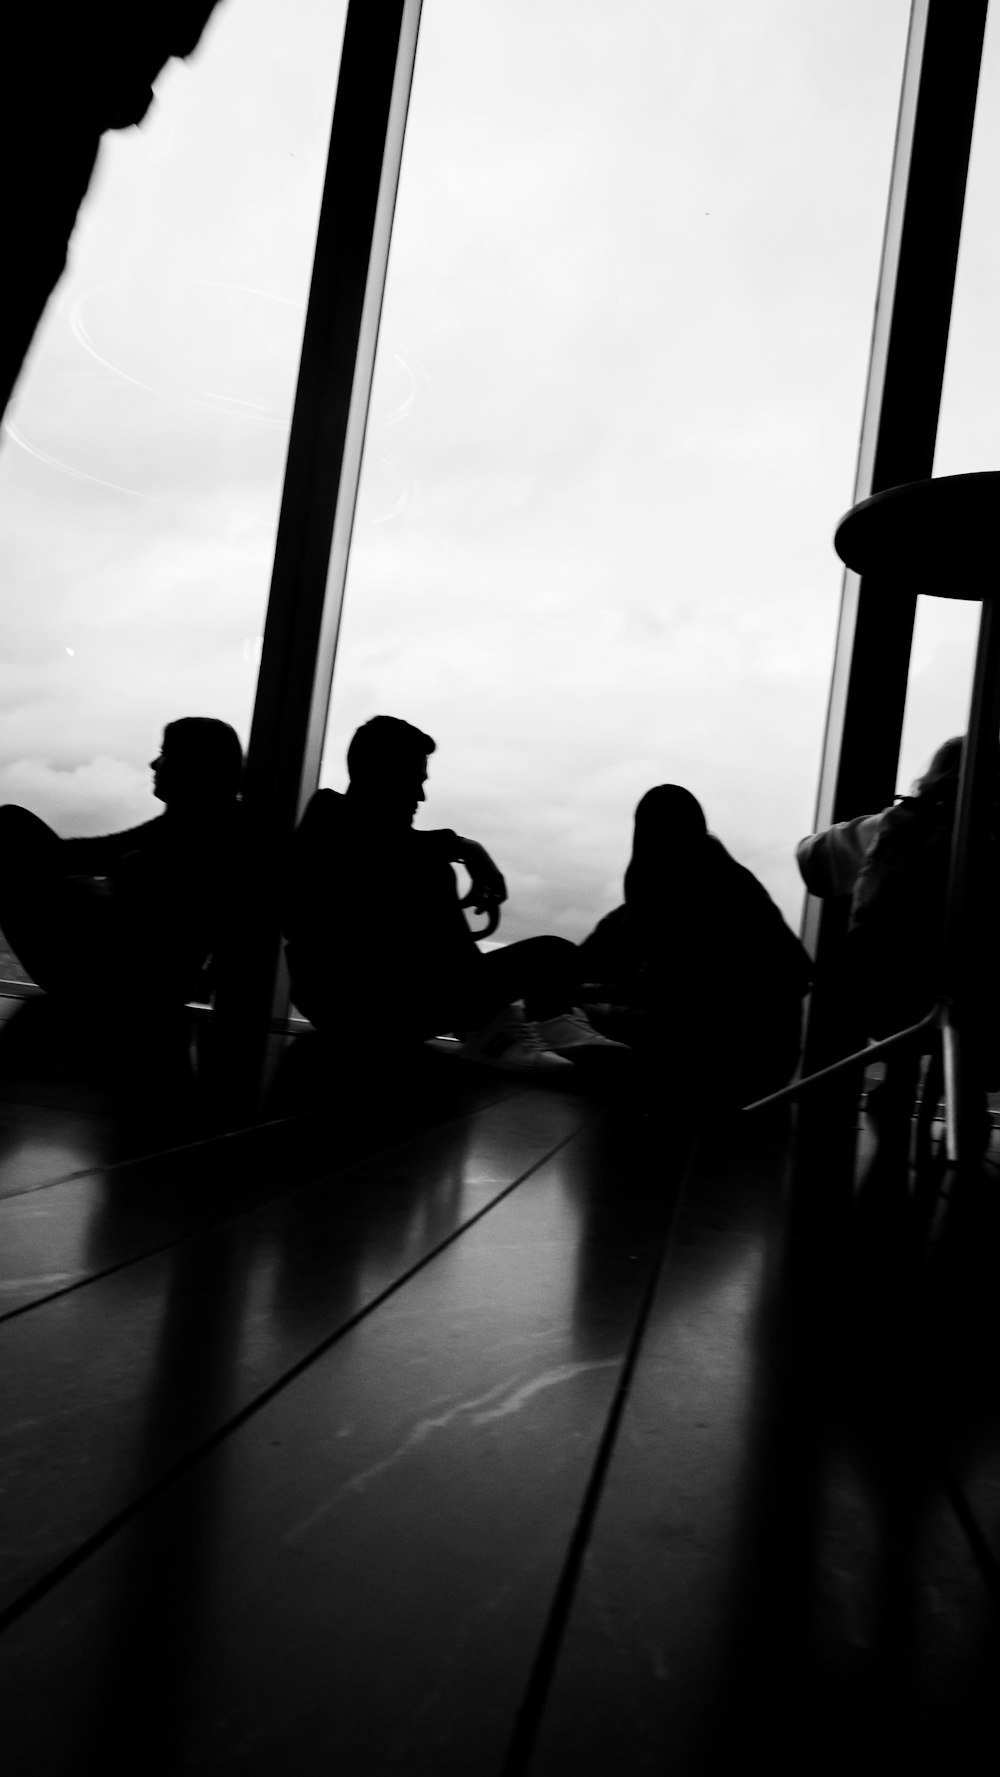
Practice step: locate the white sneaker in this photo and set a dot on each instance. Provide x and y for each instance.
(510, 1041)
(572, 1031)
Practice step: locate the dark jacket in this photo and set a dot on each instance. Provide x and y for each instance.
(896, 934)
(367, 908)
(172, 884)
(710, 929)
(705, 968)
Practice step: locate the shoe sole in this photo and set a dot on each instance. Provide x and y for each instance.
(527, 1069)
(573, 1052)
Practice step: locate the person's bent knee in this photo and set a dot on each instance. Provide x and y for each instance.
(13, 817)
(551, 949)
(18, 826)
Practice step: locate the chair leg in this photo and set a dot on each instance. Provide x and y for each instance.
(964, 1091)
(952, 1065)
(930, 1093)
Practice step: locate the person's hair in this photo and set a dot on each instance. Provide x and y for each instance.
(669, 815)
(210, 750)
(942, 772)
(668, 821)
(384, 745)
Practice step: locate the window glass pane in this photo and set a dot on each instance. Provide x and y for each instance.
(618, 392)
(940, 682)
(969, 431)
(143, 453)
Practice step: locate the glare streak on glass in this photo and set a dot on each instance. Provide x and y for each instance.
(621, 368)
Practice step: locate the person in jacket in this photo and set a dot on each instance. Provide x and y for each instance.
(829, 861)
(896, 930)
(697, 964)
(894, 955)
(137, 914)
(377, 941)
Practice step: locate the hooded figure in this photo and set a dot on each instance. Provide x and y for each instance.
(698, 963)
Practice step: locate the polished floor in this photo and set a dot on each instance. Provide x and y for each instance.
(443, 1424)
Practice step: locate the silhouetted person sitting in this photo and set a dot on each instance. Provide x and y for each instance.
(829, 861)
(896, 928)
(378, 947)
(894, 953)
(137, 914)
(698, 966)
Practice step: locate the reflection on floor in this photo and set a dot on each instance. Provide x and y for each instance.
(441, 1424)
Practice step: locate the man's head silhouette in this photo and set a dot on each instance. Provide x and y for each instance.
(387, 767)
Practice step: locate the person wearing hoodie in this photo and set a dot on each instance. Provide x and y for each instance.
(697, 966)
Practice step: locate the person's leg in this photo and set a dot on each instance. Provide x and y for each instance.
(415, 981)
(314, 992)
(448, 983)
(543, 972)
(32, 874)
(430, 978)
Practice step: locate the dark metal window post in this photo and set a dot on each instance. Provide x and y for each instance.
(898, 434)
(318, 498)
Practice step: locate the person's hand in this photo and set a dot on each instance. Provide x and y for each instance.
(487, 889)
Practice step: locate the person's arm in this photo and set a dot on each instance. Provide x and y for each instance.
(829, 862)
(600, 953)
(487, 889)
(99, 855)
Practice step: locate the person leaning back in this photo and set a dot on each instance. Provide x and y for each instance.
(136, 915)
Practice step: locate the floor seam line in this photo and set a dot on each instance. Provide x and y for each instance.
(208, 1141)
(531, 1711)
(212, 1226)
(982, 1555)
(92, 1544)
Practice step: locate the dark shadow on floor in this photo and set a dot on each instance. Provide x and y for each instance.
(868, 1630)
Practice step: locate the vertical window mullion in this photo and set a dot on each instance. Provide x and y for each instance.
(318, 499)
(898, 435)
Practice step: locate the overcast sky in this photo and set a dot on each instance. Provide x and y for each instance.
(615, 421)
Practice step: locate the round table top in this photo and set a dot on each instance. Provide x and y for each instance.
(940, 537)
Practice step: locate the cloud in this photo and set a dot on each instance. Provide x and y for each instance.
(104, 795)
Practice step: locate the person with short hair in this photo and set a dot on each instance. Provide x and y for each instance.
(377, 943)
(136, 914)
